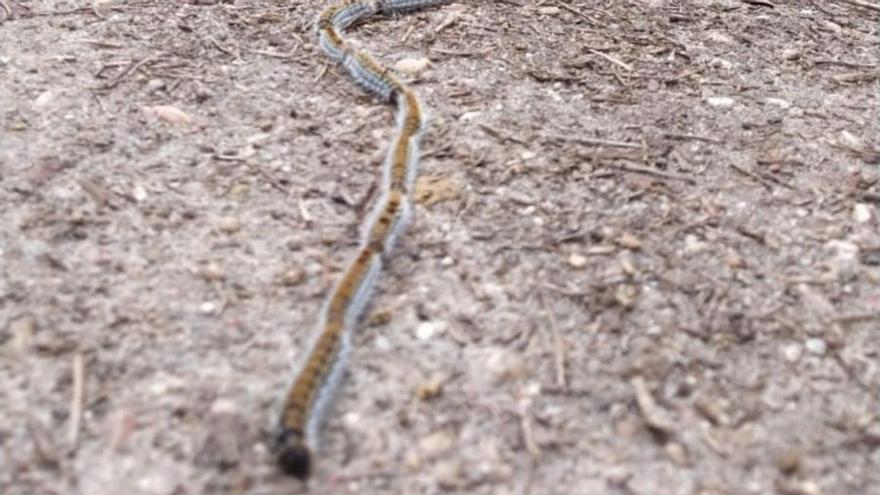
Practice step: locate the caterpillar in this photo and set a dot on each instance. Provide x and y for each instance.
(321, 371)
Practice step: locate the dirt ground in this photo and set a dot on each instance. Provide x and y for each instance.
(646, 259)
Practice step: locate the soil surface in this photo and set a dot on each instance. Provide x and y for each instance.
(646, 258)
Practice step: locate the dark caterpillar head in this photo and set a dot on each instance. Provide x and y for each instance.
(294, 457)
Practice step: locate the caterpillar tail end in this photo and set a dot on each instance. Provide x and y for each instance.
(294, 457)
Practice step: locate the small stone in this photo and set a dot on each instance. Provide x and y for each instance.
(505, 365)
(577, 260)
(412, 66)
(791, 54)
(734, 261)
(789, 462)
(435, 444)
(833, 27)
(380, 317)
(229, 225)
(469, 116)
(721, 63)
(293, 276)
(155, 85)
(212, 272)
(548, 10)
(677, 453)
(46, 98)
(720, 101)
(169, 114)
(449, 474)
(625, 295)
(240, 191)
(778, 102)
(224, 407)
(861, 213)
(207, 307)
(22, 331)
(139, 193)
(447, 261)
(792, 352)
(809, 487)
(430, 389)
(427, 329)
(693, 245)
(719, 37)
(816, 346)
(629, 241)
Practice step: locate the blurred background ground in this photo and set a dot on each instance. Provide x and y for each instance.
(646, 259)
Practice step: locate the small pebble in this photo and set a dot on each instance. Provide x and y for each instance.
(139, 193)
(791, 54)
(212, 272)
(720, 101)
(22, 331)
(548, 10)
(449, 474)
(778, 102)
(229, 225)
(46, 98)
(412, 66)
(223, 406)
(816, 346)
(789, 462)
(629, 241)
(693, 245)
(435, 444)
(792, 352)
(718, 37)
(861, 213)
(155, 85)
(677, 453)
(207, 307)
(577, 260)
(293, 276)
(428, 329)
(429, 389)
(505, 365)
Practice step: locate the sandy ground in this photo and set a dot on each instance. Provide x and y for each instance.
(646, 259)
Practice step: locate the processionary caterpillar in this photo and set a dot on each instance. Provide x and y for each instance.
(316, 382)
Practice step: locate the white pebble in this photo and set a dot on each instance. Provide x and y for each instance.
(861, 213)
(139, 193)
(224, 406)
(792, 352)
(816, 346)
(778, 102)
(577, 260)
(428, 329)
(412, 66)
(228, 225)
(693, 245)
(720, 101)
